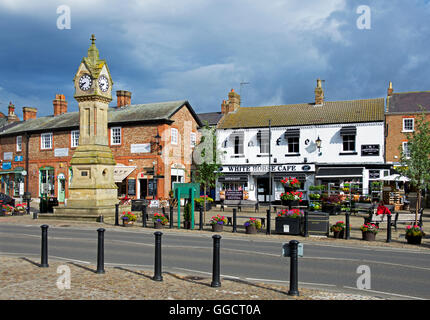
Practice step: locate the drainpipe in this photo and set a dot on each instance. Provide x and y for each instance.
(27, 140)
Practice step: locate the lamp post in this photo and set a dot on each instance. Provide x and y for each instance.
(318, 143)
(154, 181)
(157, 140)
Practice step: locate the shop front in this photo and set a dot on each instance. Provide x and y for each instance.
(258, 184)
(126, 186)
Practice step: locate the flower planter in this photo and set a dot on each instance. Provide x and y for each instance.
(158, 225)
(208, 206)
(217, 227)
(339, 234)
(285, 225)
(128, 223)
(251, 230)
(369, 236)
(290, 203)
(414, 239)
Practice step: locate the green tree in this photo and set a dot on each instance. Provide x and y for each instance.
(207, 160)
(415, 163)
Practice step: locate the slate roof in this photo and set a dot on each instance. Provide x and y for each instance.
(143, 113)
(353, 111)
(408, 102)
(211, 117)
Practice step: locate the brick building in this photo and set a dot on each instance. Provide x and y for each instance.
(151, 143)
(401, 111)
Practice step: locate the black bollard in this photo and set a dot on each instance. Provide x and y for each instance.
(201, 218)
(28, 206)
(306, 225)
(44, 257)
(100, 251)
(388, 227)
(347, 226)
(234, 220)
(171, 217)
(216, 281)
(294, 277)
(117, 214)
(164, 212)
(268, 222)
(157, 262)
(144, 216)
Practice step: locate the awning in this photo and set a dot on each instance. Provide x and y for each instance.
(233, 178)
(16, 170)
(348, 131)
(339, 173)
(292, 133)
(395, 177)
(122, 172)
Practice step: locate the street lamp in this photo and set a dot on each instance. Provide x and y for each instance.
(154, 185)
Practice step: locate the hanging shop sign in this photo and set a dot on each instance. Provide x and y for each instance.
(374, 174)
(19, 158)
(263, 168)
(368, 150)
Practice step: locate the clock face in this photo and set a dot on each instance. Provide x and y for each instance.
(85, 82)
(103, 84)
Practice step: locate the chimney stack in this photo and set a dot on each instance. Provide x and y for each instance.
(11, 116)
(319, 93)
(60, 104)
(29, 113)
(390, 89)
(124, 98)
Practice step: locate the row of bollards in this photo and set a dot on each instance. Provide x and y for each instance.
(216, 282)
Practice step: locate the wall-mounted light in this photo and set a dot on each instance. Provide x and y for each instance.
(318, 143)
(305, 160)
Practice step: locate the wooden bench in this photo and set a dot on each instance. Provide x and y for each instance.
(240, 204)
(396, 217)
(363, 209)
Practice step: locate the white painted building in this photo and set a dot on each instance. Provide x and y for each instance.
(352, 145)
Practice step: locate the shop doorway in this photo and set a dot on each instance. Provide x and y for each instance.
(61, 188)
(263, 187)
(143, 188)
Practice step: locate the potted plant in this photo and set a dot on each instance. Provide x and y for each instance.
(314, 206)
(369, 231)
(291, 198)
(159, 220)
(128, 219)
(252, 225)
(332, 204)
(414, 234)
(338, 229)
(20, 209)
(7, 210)
(218, 223)
(289, 221)
(200, 202)
(187, 215)
(290, 183)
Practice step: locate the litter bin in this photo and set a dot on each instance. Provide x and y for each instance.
(43, 205)
(318, 223)
(52, 202)
(137, 205)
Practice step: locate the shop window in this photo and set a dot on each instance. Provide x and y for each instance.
(46, 141)
(47, 183)
(235, 186)
(293, 145)
(348, 143)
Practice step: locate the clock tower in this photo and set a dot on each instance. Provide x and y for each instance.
(93, 191)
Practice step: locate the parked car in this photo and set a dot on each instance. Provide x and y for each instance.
(5, 199)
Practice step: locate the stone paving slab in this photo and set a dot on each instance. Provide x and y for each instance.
(22, 279)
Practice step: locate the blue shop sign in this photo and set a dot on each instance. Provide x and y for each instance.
(19, 158)
(6, 165)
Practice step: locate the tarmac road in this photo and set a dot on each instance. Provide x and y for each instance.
(396, 273)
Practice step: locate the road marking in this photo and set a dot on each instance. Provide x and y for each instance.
(284, 281)
(387, 293)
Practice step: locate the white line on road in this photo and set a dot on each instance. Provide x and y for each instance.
(387, 293)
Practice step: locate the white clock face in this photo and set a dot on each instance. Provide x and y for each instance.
(85, 82)
(103, 83)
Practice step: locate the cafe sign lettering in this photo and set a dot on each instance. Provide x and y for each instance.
(261, 168)
(370, 150)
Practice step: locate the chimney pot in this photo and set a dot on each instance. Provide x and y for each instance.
(60, 104)
(319, 93)
(29, 113)
(123, 98)
(390, 89)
